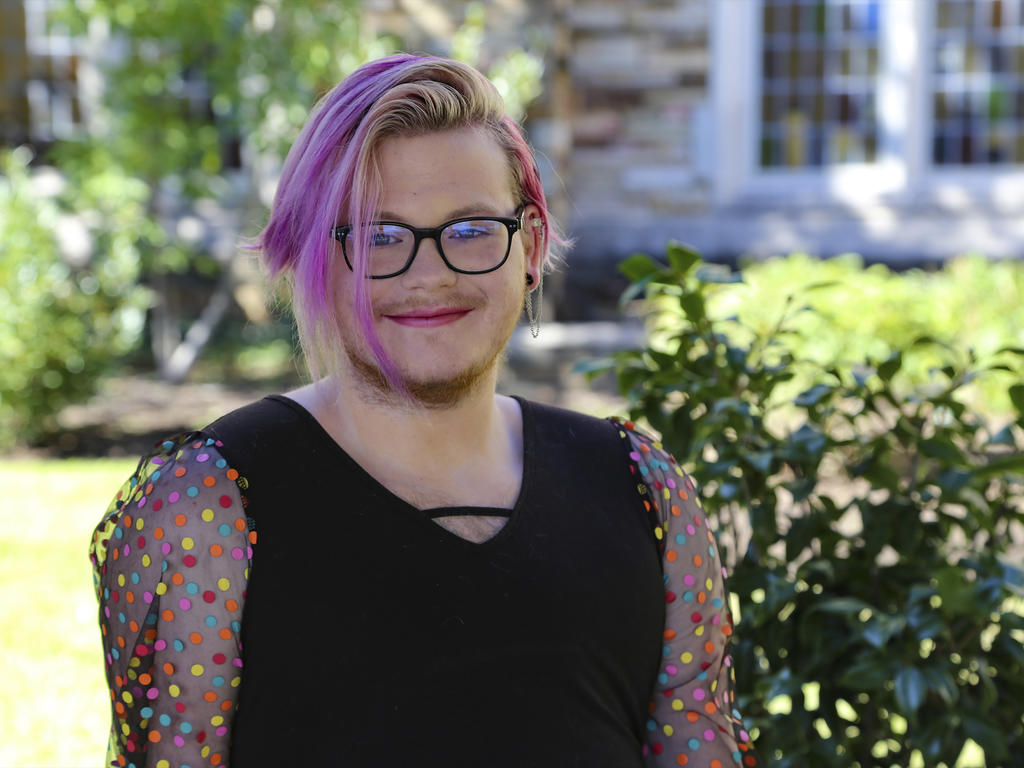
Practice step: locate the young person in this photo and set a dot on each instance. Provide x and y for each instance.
(394, 565)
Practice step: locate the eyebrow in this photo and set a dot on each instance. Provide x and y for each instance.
(482, 209)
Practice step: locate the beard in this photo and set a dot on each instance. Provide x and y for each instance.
(439, 392)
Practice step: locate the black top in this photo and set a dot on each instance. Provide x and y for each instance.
(373, 636)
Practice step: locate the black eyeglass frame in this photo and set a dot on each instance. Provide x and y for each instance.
(512, 224)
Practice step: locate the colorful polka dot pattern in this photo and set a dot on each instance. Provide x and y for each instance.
(171, 562)
(693, 720)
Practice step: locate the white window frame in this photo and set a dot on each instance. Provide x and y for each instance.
(903, 177)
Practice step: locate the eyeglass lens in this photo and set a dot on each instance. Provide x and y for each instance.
(477, 245)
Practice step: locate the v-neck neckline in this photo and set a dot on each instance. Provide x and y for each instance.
(426, 515)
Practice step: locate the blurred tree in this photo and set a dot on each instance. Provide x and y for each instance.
(66, 313)
(200, 102)
(516, 74)
(872, 529)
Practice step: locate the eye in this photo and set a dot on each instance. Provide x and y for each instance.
(471, 230)
(382, 237)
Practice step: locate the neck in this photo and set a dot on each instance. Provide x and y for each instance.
(371, 424)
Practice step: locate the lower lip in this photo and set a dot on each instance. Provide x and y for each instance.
(428, 321)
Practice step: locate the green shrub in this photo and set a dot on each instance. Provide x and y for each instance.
(869, 527)
(62, 323)
(859, 313)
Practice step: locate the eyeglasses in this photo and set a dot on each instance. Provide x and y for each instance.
(472, 245)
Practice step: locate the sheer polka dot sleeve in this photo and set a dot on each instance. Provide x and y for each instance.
(693, 720)
(171, 561)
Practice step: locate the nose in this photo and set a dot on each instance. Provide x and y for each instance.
(428, 268)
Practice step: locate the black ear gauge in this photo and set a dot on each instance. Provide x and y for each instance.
(529, 279)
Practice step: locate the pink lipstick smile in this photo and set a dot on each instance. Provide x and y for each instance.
(430, 317)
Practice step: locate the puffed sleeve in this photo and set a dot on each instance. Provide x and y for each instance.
(171, 562)
(693, 720)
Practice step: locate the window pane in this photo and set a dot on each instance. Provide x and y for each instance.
(820, 64)
(977, 62)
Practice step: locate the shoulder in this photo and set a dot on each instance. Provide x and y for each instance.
(563, 425)
(259, 420)
(184, 479)
(645, 450)
(255, 437)
(664, 482)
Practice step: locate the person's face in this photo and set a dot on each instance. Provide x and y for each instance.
(444, 330)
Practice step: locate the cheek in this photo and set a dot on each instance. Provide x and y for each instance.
(342, 288)
(344, 304)
(513, 291)
(520, 269)
(515, 267)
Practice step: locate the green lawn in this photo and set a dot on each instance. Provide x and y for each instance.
(54, 710)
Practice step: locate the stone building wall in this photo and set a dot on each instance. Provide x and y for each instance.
(625, 86)
(14, 117)
(638, 73)
(635, 79)
(617, 127)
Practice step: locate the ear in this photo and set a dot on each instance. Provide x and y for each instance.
(535, 240)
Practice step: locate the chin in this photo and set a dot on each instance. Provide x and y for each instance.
(433, 389)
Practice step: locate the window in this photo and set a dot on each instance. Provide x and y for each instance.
(819, 83)
(868, 101)
(977, 67)
(39, 74)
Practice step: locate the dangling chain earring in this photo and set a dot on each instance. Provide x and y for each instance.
(531, 315)
(534, 316)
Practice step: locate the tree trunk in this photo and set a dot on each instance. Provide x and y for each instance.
(179, 362)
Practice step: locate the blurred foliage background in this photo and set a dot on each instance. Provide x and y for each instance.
(862, 453)
(121, 247)
(847, 421)
(119, 255)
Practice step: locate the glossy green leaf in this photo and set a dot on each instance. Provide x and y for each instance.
(956, 592)
(941, 448)
(881, 628)
(1001, 466)
(941, 683)
(1011, 350)
(842, 605)
(910, 687)
(692, 305)
(888, 369)
(760, 460)
(636, 289)
(952, 480)
(1011, 646)
(867, 674)
(813, 396)
(639, 266)
(1017, 397)
(682, 257)
(925, 623)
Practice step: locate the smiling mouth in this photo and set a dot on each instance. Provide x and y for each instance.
(430, 318)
